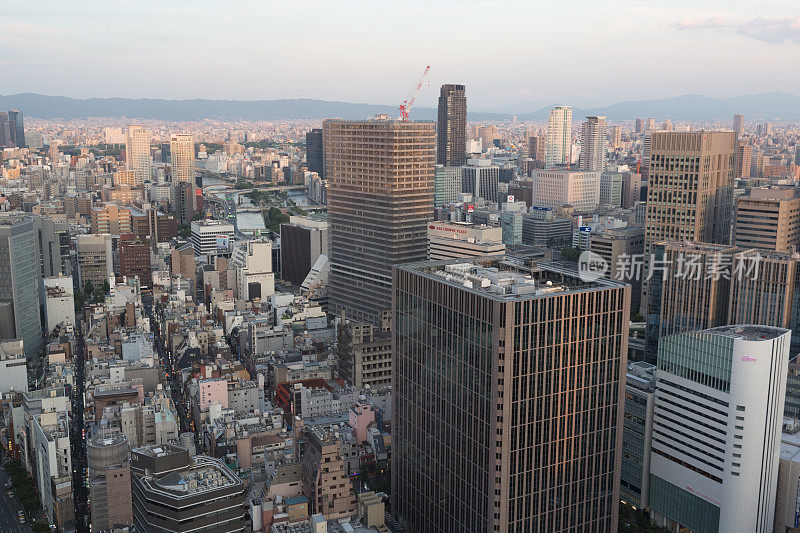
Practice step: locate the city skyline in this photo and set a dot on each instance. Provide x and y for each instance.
(477, 266)
(336, 66)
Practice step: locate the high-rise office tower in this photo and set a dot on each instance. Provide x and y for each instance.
(765, 296)
(667, 125)
(738, 124)
(631, 189)
(16, 129)
(647, 143)
(717, 429)
(743, 160)
(185, 204)
(5, 131)
(508, 380)
(651, 124)
(616, 137)
(54, 243)
(700, 286)
(451, 129)
(559, 137)
(481, 179)
(137, 153)
(314, 156)
(536, 147)
(639, 125)
(684, 292)
(181, 156)
(613, 246)
(637, 434)
(757, 163)
(768, 218)
(447, 185)
(20, 283)
(555, 188)
(690, 190)
(380, 199)
(95, 259)
(163, 147)
(593, 144)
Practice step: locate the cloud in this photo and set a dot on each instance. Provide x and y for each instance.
(774, 31)
(691, 24)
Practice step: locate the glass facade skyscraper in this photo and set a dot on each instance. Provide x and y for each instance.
(20, 280)
(17, 129)
(508, 380)
(314, 151)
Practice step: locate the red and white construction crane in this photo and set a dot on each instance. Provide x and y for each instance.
(405, 107)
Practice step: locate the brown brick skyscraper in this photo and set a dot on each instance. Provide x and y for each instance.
(134, 258)
(451, 129)
(690, 189)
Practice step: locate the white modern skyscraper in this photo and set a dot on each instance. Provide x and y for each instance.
(137, 153)
(181, 154)
(558, 150)
(593, 144)
(717, 429)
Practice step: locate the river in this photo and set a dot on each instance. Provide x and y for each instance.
(248, 222)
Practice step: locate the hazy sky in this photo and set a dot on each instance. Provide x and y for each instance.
(511, 54)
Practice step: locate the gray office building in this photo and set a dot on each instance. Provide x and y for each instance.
(545, 231)
(53, 241)
(5, 131)
(508, 379)
(481, 179)
(20, 281)
(16, 128)
(314, 157)
(637, 434)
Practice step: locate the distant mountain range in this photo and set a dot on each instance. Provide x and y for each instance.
(765, 106)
